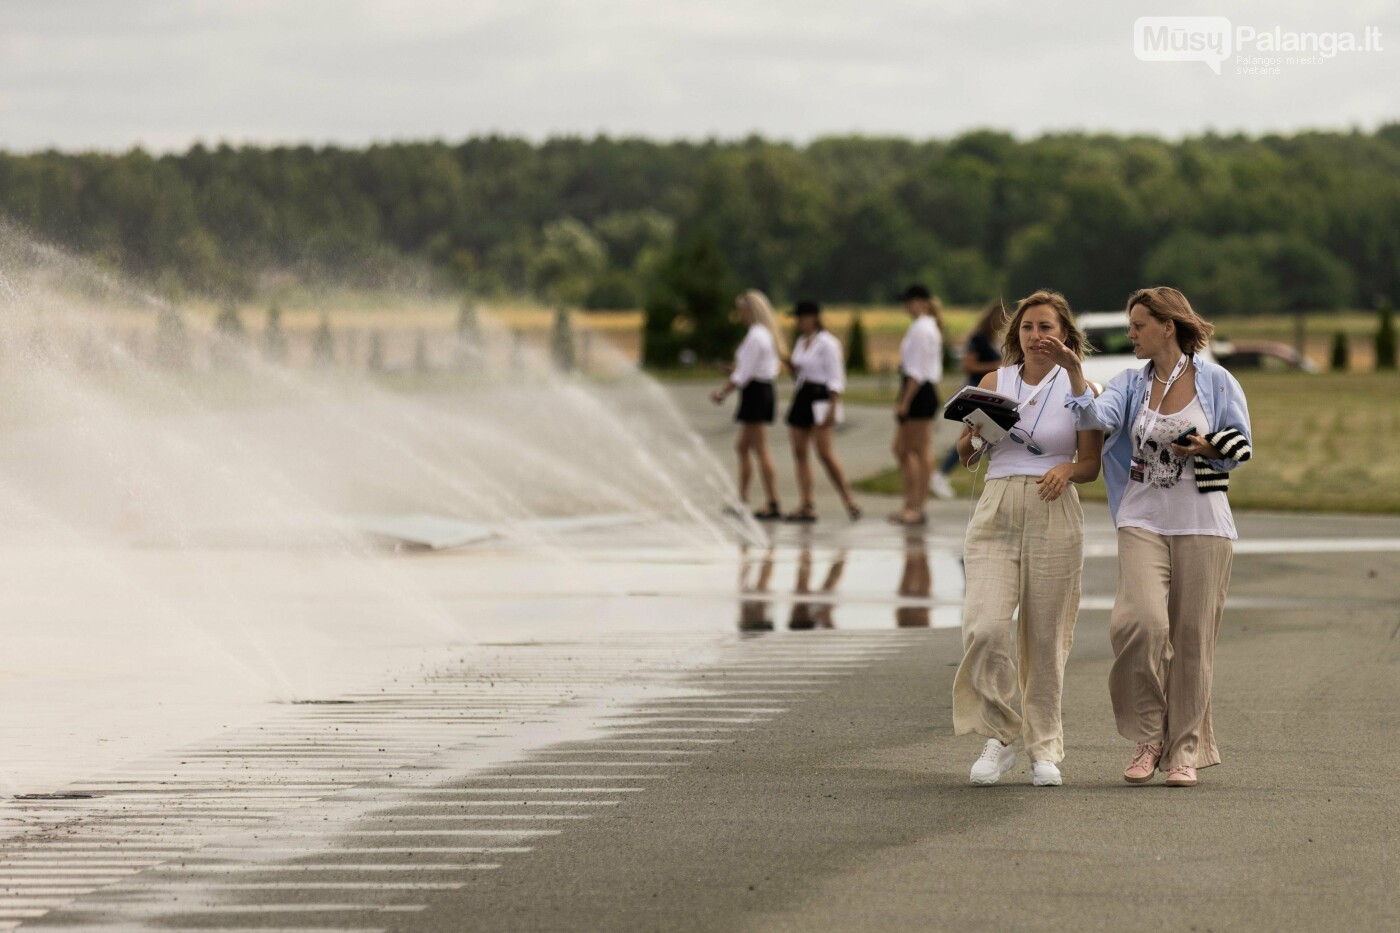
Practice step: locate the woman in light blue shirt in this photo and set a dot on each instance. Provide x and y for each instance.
(1176, 429)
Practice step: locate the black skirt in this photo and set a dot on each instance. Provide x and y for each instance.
(757, 403)
(924, 405)
(800, 413)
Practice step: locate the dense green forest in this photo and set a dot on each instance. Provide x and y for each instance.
(1243, 225)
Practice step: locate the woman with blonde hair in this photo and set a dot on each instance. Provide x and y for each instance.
(756, 364)
(1176, 428)
(920, 367)
(1025, 552)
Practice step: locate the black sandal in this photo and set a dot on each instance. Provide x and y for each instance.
(770, 514)
(854, 512)
(802, 516)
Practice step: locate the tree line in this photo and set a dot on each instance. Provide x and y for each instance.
(1309, 221)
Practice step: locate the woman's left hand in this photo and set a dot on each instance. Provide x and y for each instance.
(1198, 447)
(1054, 483)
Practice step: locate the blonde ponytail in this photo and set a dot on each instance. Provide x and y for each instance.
(762, 309)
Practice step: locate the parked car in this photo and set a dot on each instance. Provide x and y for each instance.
(1242, 355)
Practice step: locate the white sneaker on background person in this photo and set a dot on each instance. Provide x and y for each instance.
(940, 487)
(1045, 774)
(996, 759)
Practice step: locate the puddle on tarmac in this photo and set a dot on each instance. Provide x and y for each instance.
(827, 587)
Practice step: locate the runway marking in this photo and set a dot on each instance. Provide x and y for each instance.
(311, 886)
(323, 852)
(11, 863)
(418, 832)
(522, 790)
(295, 869)
(627, 751)
(508, 803)
(219, 807)
(455, 817)
(516, 776)
(609, 764)
(692, 741)
(195, 909)
(17, 884)
(19, 873)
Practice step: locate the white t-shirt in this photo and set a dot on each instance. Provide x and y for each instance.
(1045, 420)
(921, 350)
(756, 358)
(1169, 503)
(818, 359)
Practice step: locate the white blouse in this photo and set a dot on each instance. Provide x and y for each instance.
(921, 350)
(756, 358)
(819, 359)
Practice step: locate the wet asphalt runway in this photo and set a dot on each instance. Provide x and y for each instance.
(735, 774)
(714, 779)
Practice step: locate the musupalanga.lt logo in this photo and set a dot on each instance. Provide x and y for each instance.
(1214, 39)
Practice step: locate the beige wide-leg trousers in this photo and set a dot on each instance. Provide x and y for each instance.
(1024, 559)
(1171, 598)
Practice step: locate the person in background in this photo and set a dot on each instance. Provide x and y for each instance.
(920, 367)
(818, 363)
(980, 356)
(1025, 553)
(756, 365)
(1176, 428)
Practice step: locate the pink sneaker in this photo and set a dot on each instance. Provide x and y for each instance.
(1144, 763)
(1181, 776)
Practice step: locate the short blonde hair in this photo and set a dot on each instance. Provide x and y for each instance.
(1165, 303)
(1073, 336)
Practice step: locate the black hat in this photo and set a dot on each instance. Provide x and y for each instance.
(916, 292)
(804, 308)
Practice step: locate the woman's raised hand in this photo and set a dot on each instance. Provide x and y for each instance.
(1055, 348)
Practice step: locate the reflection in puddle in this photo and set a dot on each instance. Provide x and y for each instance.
(917, 580)
(836, 587)
(809, 614)
(755, 573)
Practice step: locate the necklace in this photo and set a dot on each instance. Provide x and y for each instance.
(1164, 382)
(1146, 425)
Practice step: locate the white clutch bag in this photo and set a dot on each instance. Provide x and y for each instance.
(820, 410)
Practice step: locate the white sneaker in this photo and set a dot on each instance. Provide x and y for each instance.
(1045, 774)
(996, 759)
(940, 487)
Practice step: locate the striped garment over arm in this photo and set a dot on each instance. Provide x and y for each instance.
(1233, 445)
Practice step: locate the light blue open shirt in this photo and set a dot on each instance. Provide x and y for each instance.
(1117, 408)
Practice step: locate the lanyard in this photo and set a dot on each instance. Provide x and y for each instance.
(1047, 380)
(1044, 382)
(1145, 431)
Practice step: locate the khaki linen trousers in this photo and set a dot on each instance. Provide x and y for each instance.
(1171, 599)
(1028, 555)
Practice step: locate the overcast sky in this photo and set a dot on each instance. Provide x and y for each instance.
(110, 74)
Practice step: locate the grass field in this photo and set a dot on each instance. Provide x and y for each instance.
(1328, 443)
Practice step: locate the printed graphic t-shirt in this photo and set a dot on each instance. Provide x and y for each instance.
(1169, 503)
